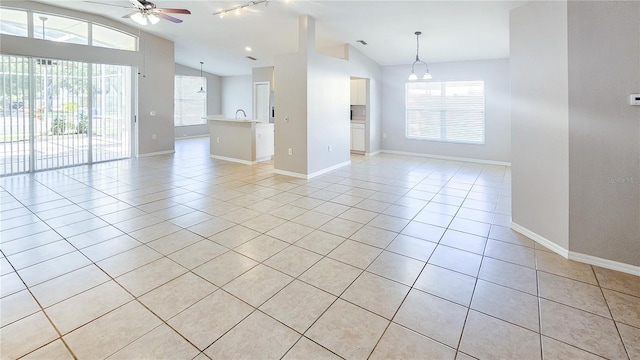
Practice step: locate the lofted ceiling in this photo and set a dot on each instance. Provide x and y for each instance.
(452, 30)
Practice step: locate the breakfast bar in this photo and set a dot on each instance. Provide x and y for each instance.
(245, 141)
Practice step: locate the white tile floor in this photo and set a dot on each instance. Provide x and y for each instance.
(182, 257)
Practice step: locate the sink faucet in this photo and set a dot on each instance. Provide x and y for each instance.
(243, 113)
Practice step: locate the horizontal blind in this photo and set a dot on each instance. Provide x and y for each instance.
(446, 111)
(190, 106)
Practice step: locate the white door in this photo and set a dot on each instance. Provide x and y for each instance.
(261, 93)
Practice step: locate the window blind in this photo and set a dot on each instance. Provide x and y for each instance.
(190, 106)
(445, 111)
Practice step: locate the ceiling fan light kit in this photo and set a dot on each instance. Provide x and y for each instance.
(145, 19)
(413, 76)
(147, 13)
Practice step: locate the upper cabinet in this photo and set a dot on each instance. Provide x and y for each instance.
(358, 91)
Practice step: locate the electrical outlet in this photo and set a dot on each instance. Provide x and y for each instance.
(286, 119)
(153, 137)
(384, 135)
(218, 140)
(329, 148)
(290, 151)
(152, 113)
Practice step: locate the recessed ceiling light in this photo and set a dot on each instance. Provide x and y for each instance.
(248, 48)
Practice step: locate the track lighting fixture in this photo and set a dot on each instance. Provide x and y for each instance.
(238, 9)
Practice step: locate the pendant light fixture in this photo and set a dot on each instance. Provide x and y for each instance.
(413, 76)
(202, 90)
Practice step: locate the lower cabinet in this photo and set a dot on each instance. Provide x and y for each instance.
(264, 141)
(357, 137)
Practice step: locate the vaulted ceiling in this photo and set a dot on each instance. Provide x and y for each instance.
(452, 30)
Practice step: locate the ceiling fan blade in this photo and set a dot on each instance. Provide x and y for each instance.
(137, 4)
(102, 3)
(129, 15)
(167, 17)
(173, 11)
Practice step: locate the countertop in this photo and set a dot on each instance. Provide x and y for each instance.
(222, 118)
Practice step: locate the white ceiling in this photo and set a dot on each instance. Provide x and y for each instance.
(452, 30)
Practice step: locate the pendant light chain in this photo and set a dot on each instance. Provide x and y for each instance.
(202, 90)
(413, 76)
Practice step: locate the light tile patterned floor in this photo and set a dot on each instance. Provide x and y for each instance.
(182, 257)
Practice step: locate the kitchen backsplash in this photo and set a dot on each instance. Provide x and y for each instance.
(358, 112)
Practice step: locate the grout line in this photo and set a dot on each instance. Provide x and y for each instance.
(324, 256)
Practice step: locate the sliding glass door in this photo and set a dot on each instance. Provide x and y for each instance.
(60, 103)
(58, 113)
(15, 132)
(111, 114)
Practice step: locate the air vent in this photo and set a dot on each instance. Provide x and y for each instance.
(251, 58)
(362, 42)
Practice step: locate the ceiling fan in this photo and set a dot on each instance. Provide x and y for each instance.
(147, 13)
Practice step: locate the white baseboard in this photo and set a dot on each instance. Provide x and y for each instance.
(266, 158)
(331, 168)
(240, 161)
(605, 263)
(373, 153)
(572, 255)
(451, 158)
(541, 240)
(157, 153)
(191, 137)
(312, 175)
(290, 174)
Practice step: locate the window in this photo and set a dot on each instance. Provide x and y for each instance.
(60, 29)
(103, 36)
(445, 111)
(190, 105)
(64, 29)
(13, 22)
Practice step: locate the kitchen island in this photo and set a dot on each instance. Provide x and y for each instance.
(245, 141)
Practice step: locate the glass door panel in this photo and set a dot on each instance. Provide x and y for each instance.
(15, 131)
(111, 112)
(61, 103)
(58, 113)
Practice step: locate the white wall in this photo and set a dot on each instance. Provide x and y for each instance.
(154, 61)
(237, 93)
(604, 130)
(214, 101)
(540, 119)
(155, 94)
(290, 123)
(576, 139)
(328, 104)
(495, 73)
(263, 74)
(312, 92)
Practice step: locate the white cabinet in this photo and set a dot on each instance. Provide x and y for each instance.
(357, 137)
(358, 91)
(264, 142)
